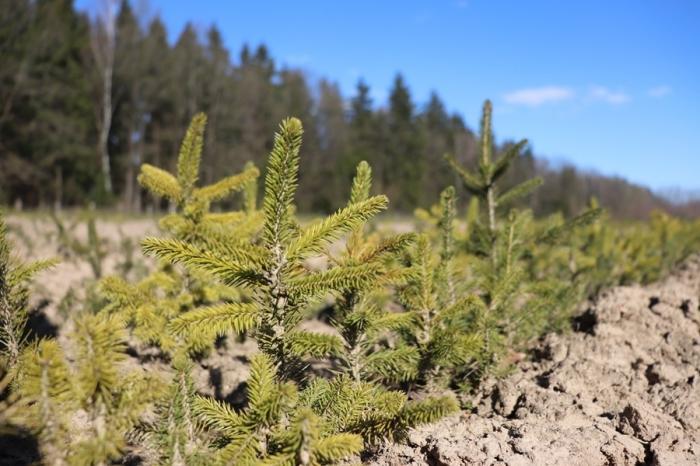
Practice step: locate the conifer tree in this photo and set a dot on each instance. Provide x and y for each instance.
(362, 319)
(153, 303)
(85, 379)
(193, 220)
(482, 183)
(275, 428)
(444, 318)
(15, 277)
(404, 147)
(514, 304)
(93, 250)
(273, 268)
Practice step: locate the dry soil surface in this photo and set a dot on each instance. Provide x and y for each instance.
(622, 389)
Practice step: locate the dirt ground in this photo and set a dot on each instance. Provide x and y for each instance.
(36, 238)
(623, 388)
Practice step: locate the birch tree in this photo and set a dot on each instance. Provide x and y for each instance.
(103, 44)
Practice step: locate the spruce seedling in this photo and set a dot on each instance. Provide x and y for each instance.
(93, 250)
(514, 304)
(84, 379)
(273, 269)
(193, 220)
(482, 183)
(275, 428)
(150, 305)
(362, 318)
(15, 278)
(444, 332)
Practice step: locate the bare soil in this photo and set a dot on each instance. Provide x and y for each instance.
(622, 389)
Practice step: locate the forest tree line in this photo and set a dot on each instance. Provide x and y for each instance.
(84, 101)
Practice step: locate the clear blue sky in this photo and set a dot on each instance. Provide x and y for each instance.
(611, 85)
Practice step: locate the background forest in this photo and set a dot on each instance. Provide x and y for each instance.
(84, 102)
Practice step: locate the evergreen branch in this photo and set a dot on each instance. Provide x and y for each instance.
(560, 232)
(242, 449)
(393, 321)
(446, 225)
(44, 396)
(159, 182)
(502, 164)
(472, 183)
(486, 139)
(250, 190)
(190, 154)
(101, 343)
(337, 447)
(117, 290)
(505, 287)
(218, 319)
(217, 415)
(393, 365)
(335, 279)
(261, 383)
(295, 441)
(423, 275)
(314, 238)
(281, 182)
(231, 271)
(303, 442)
(429, 410)
(518, 191)
(315, 345)
(238, 250)
(23, 273)
(223, 188)
(361, 184)
(381, 415)
(448, 200)
(342, 402)
(463, 307)
(447, 348)
(225, 217)
(387, 246)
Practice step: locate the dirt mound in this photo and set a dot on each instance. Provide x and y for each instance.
(622, 389)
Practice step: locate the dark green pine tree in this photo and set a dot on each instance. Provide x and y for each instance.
(130, 106)
(404, 148)
(189, 64)
(334, 140)
(439, 132)
(46, 150)
(365, 136)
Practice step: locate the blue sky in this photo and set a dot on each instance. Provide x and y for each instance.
(612, 86)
